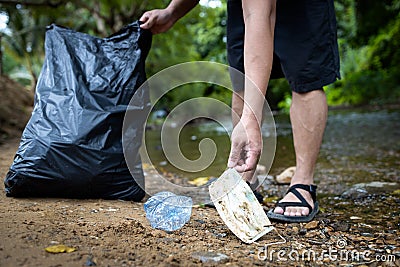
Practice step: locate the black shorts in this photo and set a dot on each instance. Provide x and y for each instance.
(305, 45)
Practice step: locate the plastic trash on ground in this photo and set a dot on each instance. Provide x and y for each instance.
(238, 207)
(167, 211)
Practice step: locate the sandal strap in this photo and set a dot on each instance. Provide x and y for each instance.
(312, 189)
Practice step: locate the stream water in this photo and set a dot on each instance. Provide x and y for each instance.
(358, 146)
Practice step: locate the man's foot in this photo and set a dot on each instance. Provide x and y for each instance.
(299, 205)
(295, 211)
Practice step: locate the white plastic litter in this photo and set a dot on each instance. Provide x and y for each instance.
(238, 207)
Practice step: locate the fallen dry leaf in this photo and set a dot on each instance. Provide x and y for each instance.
(200, 181)
(60, 249)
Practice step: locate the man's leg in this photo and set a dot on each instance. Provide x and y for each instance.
(308, 115)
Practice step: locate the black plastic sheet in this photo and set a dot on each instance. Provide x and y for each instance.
(72, 145)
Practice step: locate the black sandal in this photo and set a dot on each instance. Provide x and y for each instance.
(312, 189)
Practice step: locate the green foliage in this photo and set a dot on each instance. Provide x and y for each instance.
(279, 94)
(385, 53)
(346, 23)
(180, 94)
(9, 63)
(285, 104)
(24, 42)
(368, 30)
(27, 24)
(372, 16)
(210, 34)
(173, 47)
(370, 73)
(199, 35)
(365, 87)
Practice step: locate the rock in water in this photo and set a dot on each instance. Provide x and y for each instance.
(364, 189)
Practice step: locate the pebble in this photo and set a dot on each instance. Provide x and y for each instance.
(311, 225)
(286, 176)
(367, 234)
(311, 234)
(303, 231)
(362, 190)
(219, 235)
(390, 242)
(90, 261)
(341, 226)
(396, 252)
(355, 193)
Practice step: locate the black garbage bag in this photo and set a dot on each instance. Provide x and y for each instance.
(72, 145)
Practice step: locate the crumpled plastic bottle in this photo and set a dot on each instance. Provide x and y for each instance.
(167, 211)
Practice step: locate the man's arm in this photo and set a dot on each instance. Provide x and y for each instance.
(259, 18)
(161, 20)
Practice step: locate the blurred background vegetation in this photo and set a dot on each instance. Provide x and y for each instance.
(368, 30)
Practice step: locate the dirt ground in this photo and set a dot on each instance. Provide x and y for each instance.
(16, 104)
(117, 233)
(104, 232)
